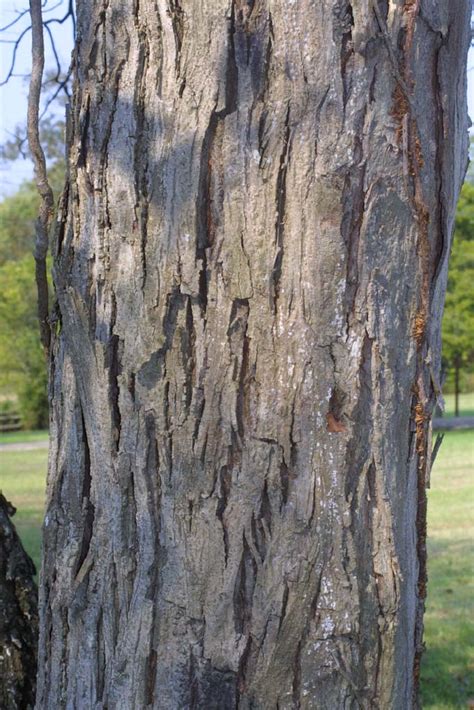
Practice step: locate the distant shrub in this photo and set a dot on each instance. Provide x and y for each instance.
(33, 401)
(23, 370)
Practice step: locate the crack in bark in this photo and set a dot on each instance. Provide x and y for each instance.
(280, 199)
(176, 14)
(141, 160)
(150, 677)
(168, 430)
(284, 605)
(265, 84)
(208, 203)
(84, 130)
(242, 413)
(443, 247)
(371, 507)
(335, 415)
(101, 657)
(104, 151)
(188, 353)
(284, 482)
(113, 363)
(152, 470)
(88, 509)
(244, 588)
(225, 480)
(296, 684)
(342, 33)
(241, 680)
(354, 196)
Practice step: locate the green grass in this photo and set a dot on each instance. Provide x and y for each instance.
(17, 437)
(466, 405)
(448, 664)
(22, 482)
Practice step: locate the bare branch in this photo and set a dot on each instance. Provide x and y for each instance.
(62, 86)
(69, 14)
(13, 22)
(53, 7)
(15, 49)
(41, 178)
(55, 53)
(436, 448)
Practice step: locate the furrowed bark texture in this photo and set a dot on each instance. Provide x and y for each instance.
(250, 265)
(18, 617)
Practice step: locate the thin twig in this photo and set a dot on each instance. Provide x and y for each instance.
(41, 178)
(69, 13)
(62, 86)
(436, 448)
(55, 53)
(13, 22)
(15, 49)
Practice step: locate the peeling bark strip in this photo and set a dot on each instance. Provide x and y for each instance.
(250, 267)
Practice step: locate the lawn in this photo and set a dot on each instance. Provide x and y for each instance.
(22, 482)
(448, 664)
(15, 437)
(466, 405)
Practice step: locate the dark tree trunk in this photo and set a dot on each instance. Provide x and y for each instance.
(250, 265)
(457, 388)
(18, 617)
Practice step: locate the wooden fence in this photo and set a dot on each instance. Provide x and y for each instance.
(10, 421)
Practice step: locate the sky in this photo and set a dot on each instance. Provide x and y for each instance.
(13, 95)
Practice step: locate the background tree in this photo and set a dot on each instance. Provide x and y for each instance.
(249, 262)
(23, 372)
(18, 617)
(458, 321)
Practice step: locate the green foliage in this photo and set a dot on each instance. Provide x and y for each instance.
(23, 369)
(7, 406)
(458, 321)
(23, 365)
(17, 224)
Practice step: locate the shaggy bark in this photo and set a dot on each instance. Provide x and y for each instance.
(18, 617)
(250, 265)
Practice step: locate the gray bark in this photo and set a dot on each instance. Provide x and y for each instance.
(18, 617)
(250, 266)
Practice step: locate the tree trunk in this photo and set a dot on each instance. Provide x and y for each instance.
(18, 617)
(456, 388)
(250, 264)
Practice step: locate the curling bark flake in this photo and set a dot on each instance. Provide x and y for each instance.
(250, 266)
